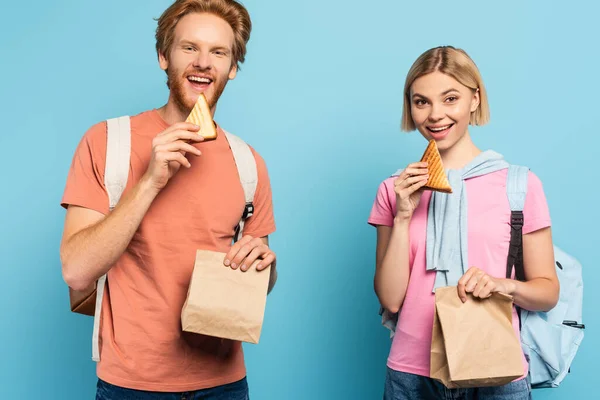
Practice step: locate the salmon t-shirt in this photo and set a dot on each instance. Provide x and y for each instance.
(142, 345)
(488, 220)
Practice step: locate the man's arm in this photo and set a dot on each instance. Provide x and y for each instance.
(273, 271)
(92, 243)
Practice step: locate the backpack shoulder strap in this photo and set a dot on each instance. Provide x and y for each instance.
(516, 190)
(398, 172)
(247, 171)
(116, 173)
(516, 186)
(118, 150)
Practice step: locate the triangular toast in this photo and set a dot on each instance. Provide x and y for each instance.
(437, 176)
(201, 116)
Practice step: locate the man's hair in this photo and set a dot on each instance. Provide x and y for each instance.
(234, 13)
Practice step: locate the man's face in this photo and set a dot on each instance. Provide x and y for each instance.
(200, 60)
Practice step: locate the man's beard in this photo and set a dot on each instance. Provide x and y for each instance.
(178, 92)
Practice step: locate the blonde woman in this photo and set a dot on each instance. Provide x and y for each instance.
(444, 94)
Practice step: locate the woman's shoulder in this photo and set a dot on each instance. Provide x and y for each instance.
(534, 183)
(533, 180)
(387, 183)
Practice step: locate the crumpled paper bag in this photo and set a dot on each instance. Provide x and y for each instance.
(223, 302)
(474, 344)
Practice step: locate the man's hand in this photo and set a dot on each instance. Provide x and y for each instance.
(246, 251)
(168, 152)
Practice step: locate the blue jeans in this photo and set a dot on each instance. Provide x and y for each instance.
(232, 391)
(401, 386)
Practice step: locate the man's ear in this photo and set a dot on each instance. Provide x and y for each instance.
(233, 71)
(162, 61)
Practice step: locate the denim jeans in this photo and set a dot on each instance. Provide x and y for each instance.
(232, 391)
(401, 386)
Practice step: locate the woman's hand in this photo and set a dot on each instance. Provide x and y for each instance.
(407, 186)
(482, 285)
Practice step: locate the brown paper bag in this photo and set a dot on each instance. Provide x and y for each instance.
(223, 302)
(474, 344)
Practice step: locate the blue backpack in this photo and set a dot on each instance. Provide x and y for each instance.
(551, 339)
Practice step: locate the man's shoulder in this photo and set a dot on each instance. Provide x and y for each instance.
(100, 126)
(141, 121)
(147, 118)
(255, 152)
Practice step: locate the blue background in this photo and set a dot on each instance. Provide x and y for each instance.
(320, 97)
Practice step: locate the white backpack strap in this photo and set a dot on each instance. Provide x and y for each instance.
(116, 172)
(118, 150)
(246, 166)
(96, 332)
(516, 186)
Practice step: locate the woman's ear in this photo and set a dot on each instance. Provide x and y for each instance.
(475, 101)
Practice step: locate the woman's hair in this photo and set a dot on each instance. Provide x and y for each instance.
(455, 63)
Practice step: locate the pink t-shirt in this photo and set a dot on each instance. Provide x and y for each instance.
(488, 242)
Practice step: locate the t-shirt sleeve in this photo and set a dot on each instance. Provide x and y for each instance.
(535, 212)
(85, 180)
(262, 222)
(384, 206)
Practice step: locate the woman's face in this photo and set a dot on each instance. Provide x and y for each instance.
(441, 108)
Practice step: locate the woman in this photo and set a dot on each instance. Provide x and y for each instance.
(444, 94)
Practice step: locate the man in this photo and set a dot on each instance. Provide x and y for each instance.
(181, 195)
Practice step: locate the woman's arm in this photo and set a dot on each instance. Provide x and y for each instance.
(392, 270)
(541, 288)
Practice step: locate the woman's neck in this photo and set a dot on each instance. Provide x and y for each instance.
(460, 154)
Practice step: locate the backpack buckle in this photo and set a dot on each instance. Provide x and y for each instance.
(248, 210)
(517, 219)
(574, 324)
